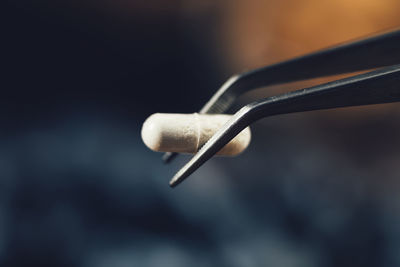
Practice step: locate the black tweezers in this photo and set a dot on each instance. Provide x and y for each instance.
(376, 87)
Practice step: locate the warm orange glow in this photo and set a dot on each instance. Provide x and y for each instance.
(262, 32)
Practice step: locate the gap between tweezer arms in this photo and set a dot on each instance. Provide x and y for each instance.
(374, 52)
(376, 87)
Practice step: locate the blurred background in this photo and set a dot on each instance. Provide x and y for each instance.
(79, 188)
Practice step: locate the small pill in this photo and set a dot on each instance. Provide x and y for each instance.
(187, 133)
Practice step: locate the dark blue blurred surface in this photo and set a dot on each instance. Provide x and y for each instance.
(78, 187)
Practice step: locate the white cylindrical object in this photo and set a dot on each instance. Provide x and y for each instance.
(187, 133)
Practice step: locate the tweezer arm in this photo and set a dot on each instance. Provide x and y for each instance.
(376, 87)
(374, 52)
(381, 86)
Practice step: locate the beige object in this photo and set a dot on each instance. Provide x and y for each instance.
(187, 133)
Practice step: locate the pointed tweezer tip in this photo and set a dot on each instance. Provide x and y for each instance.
(181, 175)
(172, 183)
(177, 179)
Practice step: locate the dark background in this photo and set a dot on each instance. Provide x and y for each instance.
(79, 188)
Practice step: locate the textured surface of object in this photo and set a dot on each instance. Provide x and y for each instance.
(187, 133)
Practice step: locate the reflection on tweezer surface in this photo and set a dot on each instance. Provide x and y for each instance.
(376, 87)
(365, 54)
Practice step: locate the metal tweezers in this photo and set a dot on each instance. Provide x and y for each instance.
(376, 87)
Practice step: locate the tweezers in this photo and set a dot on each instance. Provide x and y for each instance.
(376, 87)
(374, 52)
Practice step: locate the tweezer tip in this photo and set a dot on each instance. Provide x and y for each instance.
(168, 157)
(178, 178)
(172, 184)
